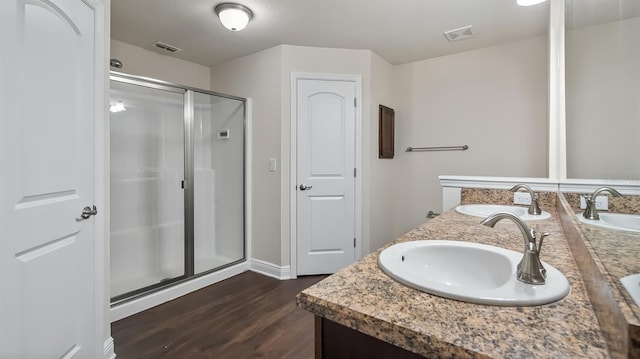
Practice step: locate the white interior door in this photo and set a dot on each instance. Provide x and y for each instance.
(47, 98)
(325, 200)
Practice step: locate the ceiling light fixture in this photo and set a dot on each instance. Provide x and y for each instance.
(234, 17)
(529, 2)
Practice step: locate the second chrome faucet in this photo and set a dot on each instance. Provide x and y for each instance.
(590, 211)
(530, 268)
(534, 207)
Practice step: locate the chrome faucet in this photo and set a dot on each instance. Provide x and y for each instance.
(534, 207)
(530, 269)
(590, 211)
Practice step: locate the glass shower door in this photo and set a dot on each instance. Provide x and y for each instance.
(218, 142)
(146, 195)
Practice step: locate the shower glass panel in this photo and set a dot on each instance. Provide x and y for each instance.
(218, 181)
(147, 200)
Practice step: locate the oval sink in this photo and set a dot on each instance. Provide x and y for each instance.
(485, 210)
(623, 222)
(469, 272)
(632, 284)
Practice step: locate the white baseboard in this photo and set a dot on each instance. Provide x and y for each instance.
(108, 349)
(143, 303)
(270, 269)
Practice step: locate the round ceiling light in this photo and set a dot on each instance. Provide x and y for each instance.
(234, 17)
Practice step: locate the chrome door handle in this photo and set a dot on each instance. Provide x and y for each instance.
(88, 212)
(304, 188)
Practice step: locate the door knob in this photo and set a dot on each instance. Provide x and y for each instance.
(88, 212)
(304, 188)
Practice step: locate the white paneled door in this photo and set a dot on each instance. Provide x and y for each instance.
(48, 110)
(325, 188)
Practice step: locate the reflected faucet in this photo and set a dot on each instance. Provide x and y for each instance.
(590, 210)
(530, 269)
(534, 207)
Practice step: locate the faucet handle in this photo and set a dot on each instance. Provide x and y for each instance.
(544, 234)
(590, 208)
(543, 270)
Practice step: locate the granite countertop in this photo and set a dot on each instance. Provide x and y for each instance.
(364, 298)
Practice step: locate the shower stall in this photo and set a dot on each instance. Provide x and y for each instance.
(176, 184)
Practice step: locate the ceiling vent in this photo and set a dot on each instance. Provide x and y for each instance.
(460, 34)
(167, 47)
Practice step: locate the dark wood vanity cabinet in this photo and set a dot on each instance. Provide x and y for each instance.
(335, 341)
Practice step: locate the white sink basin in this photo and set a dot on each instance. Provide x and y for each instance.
(485, 210)
(623, 222)
(469, 272)
(632, 285)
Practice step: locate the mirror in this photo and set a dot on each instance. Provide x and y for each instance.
(602, 55)
(602, 99)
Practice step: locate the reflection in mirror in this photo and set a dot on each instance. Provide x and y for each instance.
(603, 89)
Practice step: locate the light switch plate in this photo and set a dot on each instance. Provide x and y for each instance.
(272, 165)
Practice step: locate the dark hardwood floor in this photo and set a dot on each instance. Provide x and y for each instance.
(247, 316)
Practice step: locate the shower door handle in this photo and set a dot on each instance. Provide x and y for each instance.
(88, 212)
(304, 188)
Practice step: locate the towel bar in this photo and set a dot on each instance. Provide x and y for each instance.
(441, 148)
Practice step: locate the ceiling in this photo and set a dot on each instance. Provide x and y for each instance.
(400, 31)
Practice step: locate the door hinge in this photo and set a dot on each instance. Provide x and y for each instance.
(354, 242)
(354, 172)
(355, 102)
(182, 184)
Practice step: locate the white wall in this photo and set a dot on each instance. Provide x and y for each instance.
(142, 62)
(603, 101)
(380, 204)
(493, 99)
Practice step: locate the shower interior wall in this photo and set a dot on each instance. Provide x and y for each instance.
(147, 200)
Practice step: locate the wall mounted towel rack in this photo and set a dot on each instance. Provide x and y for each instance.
(441, 148)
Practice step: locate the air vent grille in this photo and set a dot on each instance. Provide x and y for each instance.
(167, 47)
(460, 34)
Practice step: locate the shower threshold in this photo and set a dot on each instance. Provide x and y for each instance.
(144, 301)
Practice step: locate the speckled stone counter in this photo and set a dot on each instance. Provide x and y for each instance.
(604, 256)
(364, 298)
